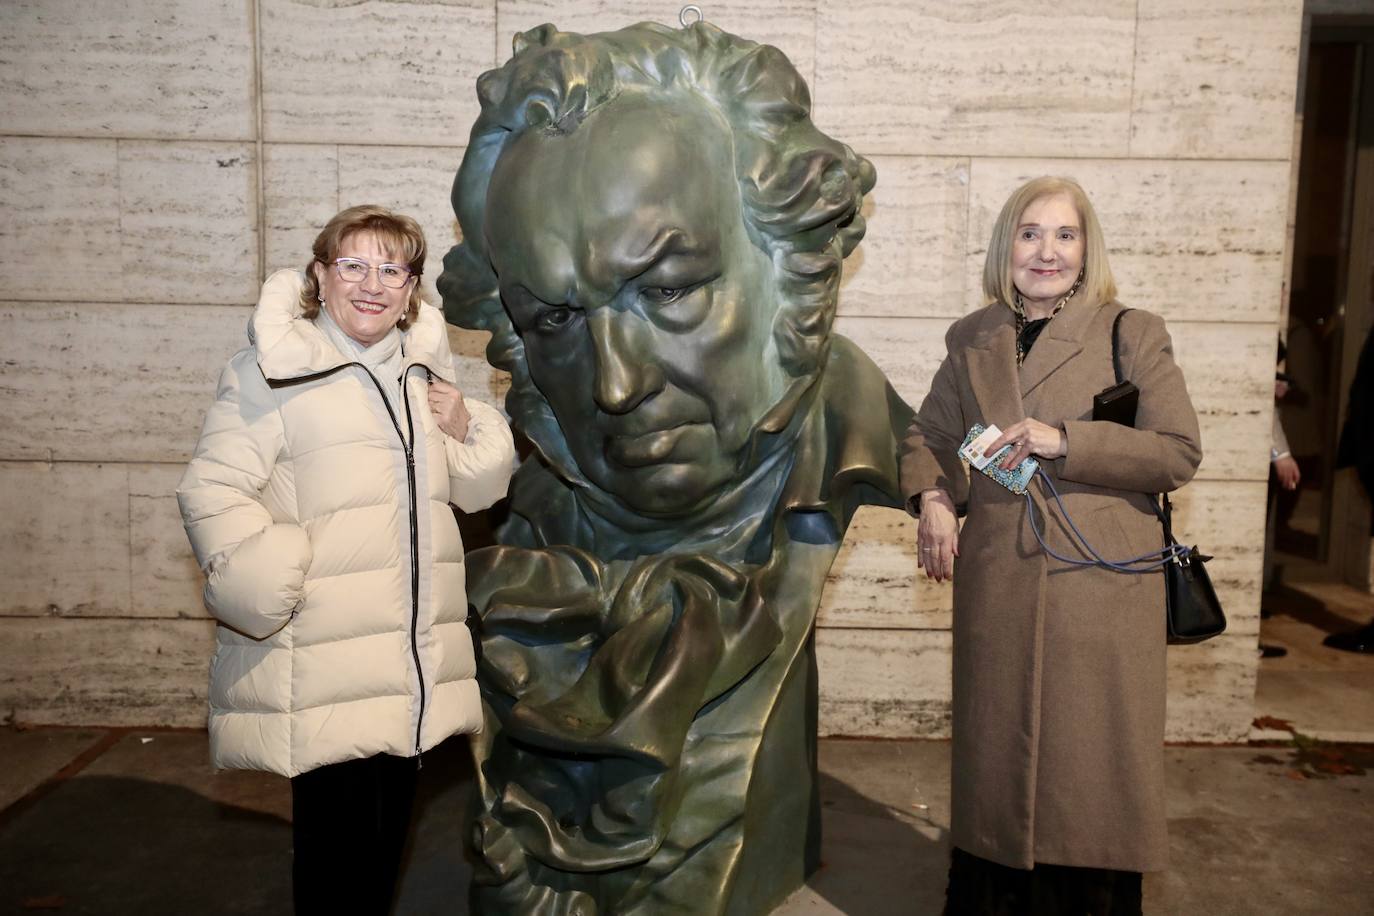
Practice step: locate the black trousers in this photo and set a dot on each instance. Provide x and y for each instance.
(978, 887)
(348, 830)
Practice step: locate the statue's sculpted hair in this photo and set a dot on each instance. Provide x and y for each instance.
(801, 190)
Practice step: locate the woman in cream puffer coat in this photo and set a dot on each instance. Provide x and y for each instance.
(317, 503)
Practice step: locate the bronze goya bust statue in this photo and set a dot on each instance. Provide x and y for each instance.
(653, 234)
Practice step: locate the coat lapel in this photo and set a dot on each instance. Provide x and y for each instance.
(992, 367)
(1061, 340)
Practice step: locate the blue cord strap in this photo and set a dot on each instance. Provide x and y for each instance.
(1148, 562)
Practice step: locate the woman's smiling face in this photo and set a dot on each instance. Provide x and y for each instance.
(1047, 250)
(364, 310)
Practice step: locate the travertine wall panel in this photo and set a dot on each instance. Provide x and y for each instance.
(1225, 519)
(910, 262)
(105, 672)
(884, 683)
(789, 25)
(412, 180)
(103, 382)
(60, 235)
(394, 72)
(1229, 369)
(907, 350)
(178, 196)
(1214, 80)
(174, 69)
(938, 78)
(188, 222)
(1190, 240)
(1212, 690)
(164, 580)
(875, 582)
(66, 531)
(140, 221)
(300, 193)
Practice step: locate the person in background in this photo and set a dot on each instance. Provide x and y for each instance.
(1356, 450)
(317, 504)
(1059, 670)
(1286, 472)
(1284, 477)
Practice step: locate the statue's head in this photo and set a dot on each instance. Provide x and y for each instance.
(653, 233)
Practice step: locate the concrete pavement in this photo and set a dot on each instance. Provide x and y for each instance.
(96, 821)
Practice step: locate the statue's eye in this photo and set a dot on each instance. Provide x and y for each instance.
(554, 319)
(661, 295)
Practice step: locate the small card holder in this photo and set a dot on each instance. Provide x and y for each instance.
(1117, 404)
(973, 451)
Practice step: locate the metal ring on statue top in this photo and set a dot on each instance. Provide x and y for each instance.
(682, 15)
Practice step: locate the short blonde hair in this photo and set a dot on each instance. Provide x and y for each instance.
(400, 235)
(1098, 283)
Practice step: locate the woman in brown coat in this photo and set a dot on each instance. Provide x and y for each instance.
(1058, 794)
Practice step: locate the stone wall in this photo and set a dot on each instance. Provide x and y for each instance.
(157, 159)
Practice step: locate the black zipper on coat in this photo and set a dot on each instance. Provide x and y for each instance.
(414, 556)
(408, 446)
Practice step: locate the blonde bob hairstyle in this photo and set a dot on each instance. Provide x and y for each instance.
(400, 236)
(1098, 284)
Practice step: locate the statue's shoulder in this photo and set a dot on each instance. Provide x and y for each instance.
(543, 509)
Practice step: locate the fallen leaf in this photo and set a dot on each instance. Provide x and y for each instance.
(1336, 769)
(1273, 724)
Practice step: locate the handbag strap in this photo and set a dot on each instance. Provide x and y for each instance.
(1166, 518)
(1116, 346)
(1166, 515)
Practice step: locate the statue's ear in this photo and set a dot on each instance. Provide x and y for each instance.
(537, 36)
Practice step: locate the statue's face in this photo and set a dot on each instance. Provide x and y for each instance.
(645, 311)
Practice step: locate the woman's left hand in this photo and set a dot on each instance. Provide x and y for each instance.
(449, 410)
(1030, 437)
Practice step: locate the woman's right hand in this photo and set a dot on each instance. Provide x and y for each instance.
(937, 535)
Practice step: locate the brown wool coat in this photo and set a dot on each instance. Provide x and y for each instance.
(1058, 671)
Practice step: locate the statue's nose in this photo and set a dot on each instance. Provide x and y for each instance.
(627, 370)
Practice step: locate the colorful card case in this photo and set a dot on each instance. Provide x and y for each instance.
(971, 451)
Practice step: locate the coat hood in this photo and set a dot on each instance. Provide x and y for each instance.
(289, 346)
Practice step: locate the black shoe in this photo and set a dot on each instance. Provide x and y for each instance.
(1267, 650)
(1361, 640)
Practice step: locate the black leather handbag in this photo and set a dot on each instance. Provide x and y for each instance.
(1192, 611)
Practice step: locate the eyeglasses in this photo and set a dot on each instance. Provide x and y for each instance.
(352, 270)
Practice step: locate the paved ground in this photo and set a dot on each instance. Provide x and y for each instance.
(134, 822)
(1321, 692)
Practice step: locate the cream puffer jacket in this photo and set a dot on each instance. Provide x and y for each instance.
(332, 558)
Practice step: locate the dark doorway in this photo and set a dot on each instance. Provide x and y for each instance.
(1319, 583)
(1330, 309)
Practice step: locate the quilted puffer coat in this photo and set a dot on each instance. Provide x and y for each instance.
(320, 516)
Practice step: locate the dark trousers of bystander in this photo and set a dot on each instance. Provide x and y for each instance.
(349, 825)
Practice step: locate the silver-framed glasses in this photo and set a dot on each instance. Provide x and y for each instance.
(353, 270)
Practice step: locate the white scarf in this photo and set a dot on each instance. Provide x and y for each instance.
(383, 359)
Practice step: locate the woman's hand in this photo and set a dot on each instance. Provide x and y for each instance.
(1029, 437)
(449, 410)
(937, 535)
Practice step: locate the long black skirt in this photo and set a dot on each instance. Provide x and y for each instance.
(978, 887)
